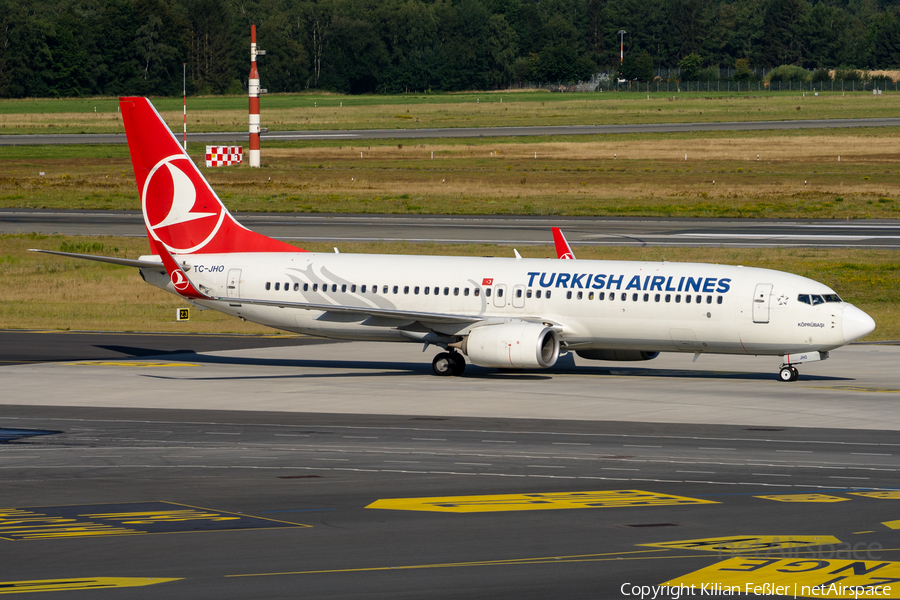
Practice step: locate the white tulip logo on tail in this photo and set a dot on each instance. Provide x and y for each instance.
(179, 280)
(173, 213)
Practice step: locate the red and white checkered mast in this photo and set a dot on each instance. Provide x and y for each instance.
(254, 100)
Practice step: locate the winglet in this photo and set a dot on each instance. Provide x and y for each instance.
(562, 246)
(181, 282)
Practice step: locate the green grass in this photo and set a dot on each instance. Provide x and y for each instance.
(49, 292)
(498, 109)
(799, 176)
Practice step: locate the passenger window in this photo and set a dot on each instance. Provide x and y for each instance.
(687, 298)
(344, 288)
(602, 296)
(466, 292)
(456, 292)
(709, 299)
(499, 292)
(405, 289)
(296, 287)
(591, 296)
(362, 289)
(580, 295)
(646, 297)
(719, 300)
(396, 288)
(287, 286)
(384, 290)
(487, 292)
(699, 298)
(416, 290)
(477, 292)
(268, 285)
(678, 298)
(612, 296)
(353, 289)
(315, 287)
(277, 285)
(518, 293)
(656, 298)
(817, 299)
(305, 287)
(624, 296)
(547, 295)
(634, 297)
(528, 293)
(537, 294)
(668, 297)
(568, 295)
(446, 291)
(427, 290)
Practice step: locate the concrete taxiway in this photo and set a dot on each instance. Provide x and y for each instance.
(461, 132)
(160, 467)
(519, 230)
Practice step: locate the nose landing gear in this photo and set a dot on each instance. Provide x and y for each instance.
(788, 373)
(446, 364)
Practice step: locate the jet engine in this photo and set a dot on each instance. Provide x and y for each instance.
(620, 355)
(512, 345)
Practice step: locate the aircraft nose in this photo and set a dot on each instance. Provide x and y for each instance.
(856, 324)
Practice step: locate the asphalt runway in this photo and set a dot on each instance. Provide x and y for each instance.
(519, 230)
(336, 470)
(458, 132)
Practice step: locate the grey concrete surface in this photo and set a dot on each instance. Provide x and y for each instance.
(314, 475)
(520, 230)
(856, 388)
(460, 132)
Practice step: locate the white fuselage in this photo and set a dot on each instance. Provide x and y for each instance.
(648, 306)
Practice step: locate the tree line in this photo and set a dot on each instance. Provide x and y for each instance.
(62, 48)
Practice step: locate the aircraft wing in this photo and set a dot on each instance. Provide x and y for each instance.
(371, 311)
(113, 260)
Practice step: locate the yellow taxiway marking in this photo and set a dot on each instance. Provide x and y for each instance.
(855, 388)
(607, 556)
(78, 583)
(886, 495)
(38, 523)
(542, 501)
(892, 524)
(120, 363)
(804, 498)
(748, 543)
(807, 577)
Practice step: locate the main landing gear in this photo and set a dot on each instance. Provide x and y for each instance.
(448, 363)
(788, 373)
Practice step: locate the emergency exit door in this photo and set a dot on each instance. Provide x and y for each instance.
(233, 284)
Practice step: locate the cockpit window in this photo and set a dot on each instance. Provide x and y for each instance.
(832, 298)
(804, 298)
(817, 299)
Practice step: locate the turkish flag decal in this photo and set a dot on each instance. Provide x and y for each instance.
(487, 281)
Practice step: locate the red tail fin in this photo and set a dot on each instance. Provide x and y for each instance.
(180, 208)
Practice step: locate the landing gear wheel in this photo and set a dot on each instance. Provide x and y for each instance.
(443, 364)
(788, 374)
(459, 363)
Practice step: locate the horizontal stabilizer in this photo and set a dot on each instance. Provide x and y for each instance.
(113, 260)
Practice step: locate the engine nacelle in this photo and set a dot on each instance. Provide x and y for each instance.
(619, 355)
(513, 345)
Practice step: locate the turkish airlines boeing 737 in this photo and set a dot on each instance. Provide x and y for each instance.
(511, 313)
